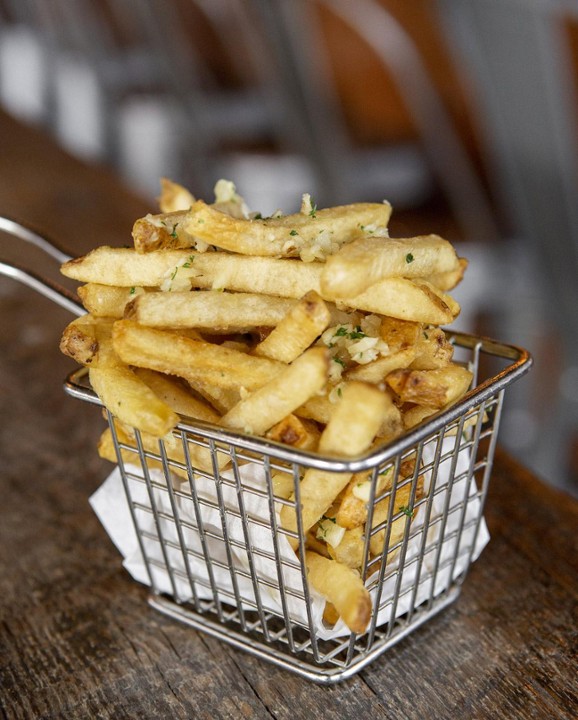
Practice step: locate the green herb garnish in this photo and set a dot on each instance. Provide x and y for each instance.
(409, 258)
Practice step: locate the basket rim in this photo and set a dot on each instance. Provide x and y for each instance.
(76, 385)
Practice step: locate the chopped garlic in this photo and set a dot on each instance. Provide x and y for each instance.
(330, 531)
(228, 201)
(362, 490)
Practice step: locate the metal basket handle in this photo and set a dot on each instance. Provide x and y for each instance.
(42, 285)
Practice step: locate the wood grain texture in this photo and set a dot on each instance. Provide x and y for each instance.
(77, 638)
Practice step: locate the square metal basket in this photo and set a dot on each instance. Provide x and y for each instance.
(212, 549)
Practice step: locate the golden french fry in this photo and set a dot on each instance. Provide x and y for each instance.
(131, 400)
(285, 236)
(376, 371)
(402, 505)
(87, 340)
(432, 350)
(297, 432)
(164, 231)
(352, 510)
(174, 197)
(174, 270)
(352, 427)
(436, 387)
(199, 456)
(300, 327)
(177, 395)
(208, 309)
(106, 300)
(343, 588)
(448, 280)
(124, 267)
(415, 414)
(221, 398)
(369, 259)
(350, 550)
(289, 389)
(190, 359)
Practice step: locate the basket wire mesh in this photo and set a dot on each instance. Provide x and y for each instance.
(215, 555)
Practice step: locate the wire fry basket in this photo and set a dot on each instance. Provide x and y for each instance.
(212, 549)
(209, 543)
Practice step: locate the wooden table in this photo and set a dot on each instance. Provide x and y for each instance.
(77, 638)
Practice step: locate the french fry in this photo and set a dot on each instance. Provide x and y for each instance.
(177, 395)
(352, 510)
(208, 309)
(200, 457)
(351, 429)
(278, 398)
(376, 371)
(432, 350)
(402, 505)
(87, 340)
(131, 400)
(164, 231)
(178, 270)
(437, 387)
(283, 236)
(297, 432)
(448, 280)
(190, 359)
(343, 588)
(106, 300)
(174, 197)
(368, 259)
(350, 550)
(300, 327)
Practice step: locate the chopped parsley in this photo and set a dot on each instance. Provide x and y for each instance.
(356, 334)
(313, 211)
(409, 258)
(293, 233)
(339, 361)
(132, 290)
(406, 510)
(189, 261)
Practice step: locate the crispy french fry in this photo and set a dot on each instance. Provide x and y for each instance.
(415, 414)
(300, 327)
(436, 387)
(283, 236)
(343, 588)
(350, 550)
(351, 429)
(369, 259)
(432, 350)
(178, 395)
(87, 340)
(208, 309)
(376, 371)
(176, 270)
(402, 505)
(107, 300)
(221, 398)
(190, 359)
(199, 456)
(164, 231)
(352, 510)
(297, 432)
(288, 390)
(448, 280)
(174, 197)
(131, 400)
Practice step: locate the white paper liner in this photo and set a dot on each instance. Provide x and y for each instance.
(109, 502)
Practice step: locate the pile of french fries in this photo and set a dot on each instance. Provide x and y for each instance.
(314, 329)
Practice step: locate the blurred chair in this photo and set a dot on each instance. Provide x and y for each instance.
(518, 62)
(301, 63)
